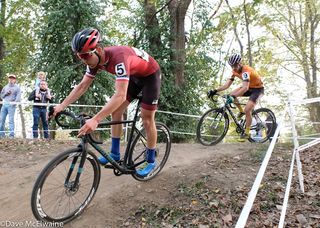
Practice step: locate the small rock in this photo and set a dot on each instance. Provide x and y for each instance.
(301, 219)
(131, 194)
(149, 190)
(237, 157)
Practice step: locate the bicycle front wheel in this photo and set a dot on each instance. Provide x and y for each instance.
(55, 196)
(212, 127)
(138, 150)
(263, 125)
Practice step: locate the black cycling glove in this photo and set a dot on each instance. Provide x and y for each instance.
(211, 93)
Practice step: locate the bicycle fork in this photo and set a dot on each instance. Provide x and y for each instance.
(214, 123)
(73, 185)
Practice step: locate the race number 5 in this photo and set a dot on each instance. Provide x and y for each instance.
(142, 54)
(120, 69)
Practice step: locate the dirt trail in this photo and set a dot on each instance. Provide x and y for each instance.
(115, 196)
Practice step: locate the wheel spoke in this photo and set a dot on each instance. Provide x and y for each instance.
(212, 127)
(139, 147)
(60, 200)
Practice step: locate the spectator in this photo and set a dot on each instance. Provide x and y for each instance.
(40, 111)
(41, 76)
(9, 93)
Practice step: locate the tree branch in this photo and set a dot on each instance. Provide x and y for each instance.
(235, 28)
(294, 73)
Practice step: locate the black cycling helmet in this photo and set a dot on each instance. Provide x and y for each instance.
(234, 59)
(85, 40)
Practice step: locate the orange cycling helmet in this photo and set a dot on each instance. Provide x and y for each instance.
(234, 59)
(85, 40)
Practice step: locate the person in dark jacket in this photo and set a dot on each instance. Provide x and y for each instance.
(40, 109)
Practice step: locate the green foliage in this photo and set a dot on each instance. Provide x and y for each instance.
(16, 31)
(60, 21)
(38, 33)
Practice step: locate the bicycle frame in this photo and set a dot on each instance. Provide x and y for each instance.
(125, 168)
(240, 125)
(227, 107)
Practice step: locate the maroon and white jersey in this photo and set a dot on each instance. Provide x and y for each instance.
(125, 61)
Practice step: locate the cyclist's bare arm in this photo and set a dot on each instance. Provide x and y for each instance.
(114, 103)
(244, 88)
(74, 95)
(225, 86)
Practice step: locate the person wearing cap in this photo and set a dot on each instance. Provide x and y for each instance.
(10, 93)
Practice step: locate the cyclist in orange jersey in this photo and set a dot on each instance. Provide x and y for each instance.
(252, 87)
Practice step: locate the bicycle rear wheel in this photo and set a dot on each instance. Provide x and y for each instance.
(212, 127)
(56, 198)
(138, 150)
(263, 125)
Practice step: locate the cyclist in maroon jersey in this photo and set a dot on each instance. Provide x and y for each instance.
(135, 71)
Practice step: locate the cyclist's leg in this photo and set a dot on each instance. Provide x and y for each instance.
(150, 126)
(151, 134)
(150, 96)
(248, 111)
(117, 115)
(253, 99)
(236, 101)
(116, 131)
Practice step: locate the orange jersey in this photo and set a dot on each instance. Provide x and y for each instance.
(250, 75)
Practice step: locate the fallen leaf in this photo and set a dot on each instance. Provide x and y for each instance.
(314, 216)
(214, 203)
(312, 194)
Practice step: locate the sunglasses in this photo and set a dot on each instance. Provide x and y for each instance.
(86, 55)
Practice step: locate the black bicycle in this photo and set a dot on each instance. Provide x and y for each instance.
(214, 124)
(68, 183)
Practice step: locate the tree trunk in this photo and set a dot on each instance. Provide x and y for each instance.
(152, 25)
(178, 10)
(246, 16)
(234, 23)
(2, 46)
(313, 20)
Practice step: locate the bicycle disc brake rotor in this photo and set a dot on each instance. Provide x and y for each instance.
(71, 189)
